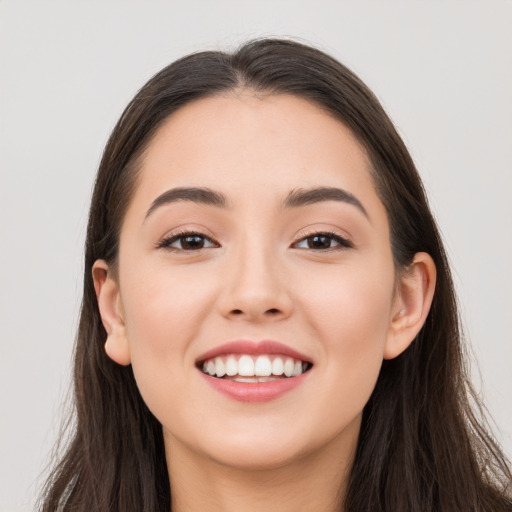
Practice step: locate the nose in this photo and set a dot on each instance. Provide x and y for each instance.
(255, 287)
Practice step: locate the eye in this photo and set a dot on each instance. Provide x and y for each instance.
(187, 242)
(323, 241)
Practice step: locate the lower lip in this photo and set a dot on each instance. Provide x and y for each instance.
(254, 391)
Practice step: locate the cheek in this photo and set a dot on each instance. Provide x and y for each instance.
(164, 308)
(164, 312)
(350, 304)
(350, 314)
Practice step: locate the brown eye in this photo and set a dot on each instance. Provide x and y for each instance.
(192, 242)
(187, 242)
(319, 242)
(323, 241)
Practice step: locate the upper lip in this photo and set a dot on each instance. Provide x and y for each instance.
(253, 348)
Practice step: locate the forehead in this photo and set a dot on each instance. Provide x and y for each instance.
(249, 146)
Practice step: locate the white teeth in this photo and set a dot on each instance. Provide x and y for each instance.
(210, 368)
(220, 369)
(246, 366)
(245, 379)
(297, 368)
(254, 379)
(267, 379)
(289, 366)
(263, 367)
(277, 366)
(231, 366)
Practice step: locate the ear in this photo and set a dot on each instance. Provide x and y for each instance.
(111, 311)
(413, 299)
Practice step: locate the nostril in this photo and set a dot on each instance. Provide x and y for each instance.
(268, 312)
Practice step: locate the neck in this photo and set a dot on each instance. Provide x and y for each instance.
(313, 482)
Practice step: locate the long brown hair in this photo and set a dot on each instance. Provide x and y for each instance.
(421, 446)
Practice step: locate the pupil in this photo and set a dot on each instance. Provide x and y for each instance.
(319, 242)
(192, 242)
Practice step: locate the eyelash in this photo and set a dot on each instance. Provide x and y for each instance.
(343, 242)
(166, 243)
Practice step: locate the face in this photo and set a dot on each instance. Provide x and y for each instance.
(254, 237)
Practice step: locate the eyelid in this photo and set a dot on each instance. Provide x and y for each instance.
(166, 241)
(170, 238)
(343, 241)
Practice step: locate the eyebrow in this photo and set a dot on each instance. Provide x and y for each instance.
(198, 195)
(296, 198)
(303, 197)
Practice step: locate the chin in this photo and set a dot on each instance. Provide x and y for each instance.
(257, 456)
(265, 447)
(271, 448)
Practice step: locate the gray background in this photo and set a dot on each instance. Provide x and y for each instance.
(442, 69)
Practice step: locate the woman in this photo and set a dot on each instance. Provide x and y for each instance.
(268, 320)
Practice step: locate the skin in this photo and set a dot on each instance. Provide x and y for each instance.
(258, 279)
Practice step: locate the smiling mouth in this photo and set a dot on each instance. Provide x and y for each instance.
(248, 368)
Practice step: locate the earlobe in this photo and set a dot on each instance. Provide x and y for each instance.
(111, 311)
(415, 292)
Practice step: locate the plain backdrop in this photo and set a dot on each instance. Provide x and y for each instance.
(443, 71)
